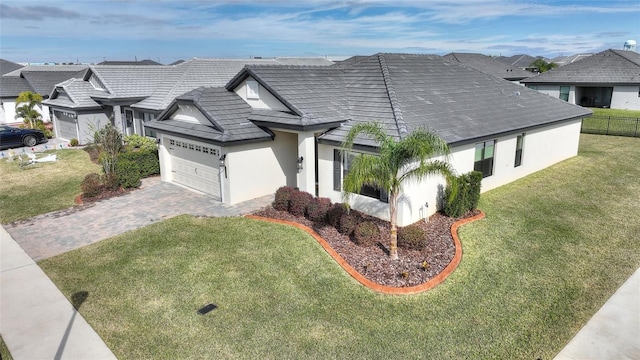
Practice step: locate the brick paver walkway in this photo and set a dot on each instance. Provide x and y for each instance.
(54, 233)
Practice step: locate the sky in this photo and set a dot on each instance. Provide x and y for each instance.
(91, 31)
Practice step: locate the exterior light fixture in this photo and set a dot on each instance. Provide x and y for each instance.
(222, 164)
(299, 163)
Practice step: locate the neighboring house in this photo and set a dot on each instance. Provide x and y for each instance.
(7, 66)
(128, 96)
(119, 62)
(609, 79)
(490, 66)
(522, 61)
(565, 60)
(39, 79)
(273, 126)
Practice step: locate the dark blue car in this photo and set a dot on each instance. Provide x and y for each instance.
(12, 137)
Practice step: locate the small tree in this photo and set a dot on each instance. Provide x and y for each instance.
(110, 141)
(26, 103)
(543, 66)
(411, 157)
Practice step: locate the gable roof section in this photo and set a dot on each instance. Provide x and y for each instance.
(606, 67)
(489, 65)
(7, 66)
(451, 99)
(64, 95)
(43, 82)
(522, 61)
(12, 86)
(128, 81)
(226, 111)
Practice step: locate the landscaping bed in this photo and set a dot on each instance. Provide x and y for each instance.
(414, 267)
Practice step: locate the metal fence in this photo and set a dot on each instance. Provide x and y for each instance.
(611, 125)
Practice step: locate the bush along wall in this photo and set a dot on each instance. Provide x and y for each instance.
(467, 194)
(145, 159)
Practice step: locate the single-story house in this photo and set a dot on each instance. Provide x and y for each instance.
(491, 66)
(609, 79)
(39, 79)
(272, 126)
(128, 96)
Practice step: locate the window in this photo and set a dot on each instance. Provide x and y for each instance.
(532, 87)
(564, 93)
(253, 90)
(148, 117)
(341, 165)
(484, 158)
(519, 144)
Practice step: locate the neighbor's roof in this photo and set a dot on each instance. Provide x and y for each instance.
(125, 62)
(7, 66)
(606, 67)
(405, 92)
(489, 65)
(12, 86)
(522, 61)
(227, 112)
(565, 60)
(41, 78)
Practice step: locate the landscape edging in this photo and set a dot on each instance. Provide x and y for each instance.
(438, 279)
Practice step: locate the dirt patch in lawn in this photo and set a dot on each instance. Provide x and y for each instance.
(414, 267)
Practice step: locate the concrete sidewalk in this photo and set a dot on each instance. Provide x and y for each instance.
(37, 321)
(613, 333)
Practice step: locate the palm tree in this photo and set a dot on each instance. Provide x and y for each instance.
(397, 161)
(28, 111)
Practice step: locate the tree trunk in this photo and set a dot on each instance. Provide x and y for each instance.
(393, 244)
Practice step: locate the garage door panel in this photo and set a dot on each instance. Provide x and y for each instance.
(67, 127)
(202, 176)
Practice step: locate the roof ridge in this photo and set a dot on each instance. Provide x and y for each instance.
(393, 98)
(65, 85)
(621, 54)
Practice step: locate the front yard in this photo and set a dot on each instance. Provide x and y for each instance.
(553, 248)
(42, 187)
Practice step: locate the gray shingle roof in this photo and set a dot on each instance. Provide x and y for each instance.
(125, 62)
(40, 78)
(489, 65)
(7, 66)
(606, 67)
(48, 68)
(12, 86)
(522, 61)
(43, 82)
(64, 95)
(565, 60)
(226, 111)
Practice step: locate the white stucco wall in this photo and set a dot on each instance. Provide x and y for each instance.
(8, 112)
(266, 99)
(554, 91)
(626, 97)
(90, 123)
(259, 169)
(542, 148)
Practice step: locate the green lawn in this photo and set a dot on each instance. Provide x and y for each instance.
(613, 122)
(553, 248)
(42, 187)
(4, 352)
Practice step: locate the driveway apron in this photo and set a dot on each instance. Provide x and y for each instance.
(54, 233)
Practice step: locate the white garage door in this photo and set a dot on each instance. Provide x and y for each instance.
(195, 166)
(66, 126)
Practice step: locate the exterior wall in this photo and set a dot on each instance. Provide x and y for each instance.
(542, 148)
(8, 112)
(554, 91)
(266, 100)
(259, 169)
(89, 124)
(626, 97)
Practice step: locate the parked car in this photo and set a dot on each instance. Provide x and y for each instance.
(12, 137)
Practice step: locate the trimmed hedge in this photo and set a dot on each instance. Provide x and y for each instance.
(146, 161)
(366, 233)
(412, 237)
(298, 202)
(282, 198)
(334, 214)
(348, 222)
(91, 185)
(318, 208)
(128, 173)
(467, 194)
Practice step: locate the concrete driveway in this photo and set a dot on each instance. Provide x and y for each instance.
(54, 233)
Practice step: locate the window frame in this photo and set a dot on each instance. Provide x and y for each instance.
(340, 171)
(519, 150)
(562, 94)
(485, 164)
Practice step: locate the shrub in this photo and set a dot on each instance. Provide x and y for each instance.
(91, 185)
(282, 197)
(146, 160)
(298, 202)
(110, 181)
(318, 208)
(348, 222)
(128, 173)
(94, 152)
(366, 233)
(412, 237)
(467, 195)
(73, 142)
(334, 214)
(144, 143)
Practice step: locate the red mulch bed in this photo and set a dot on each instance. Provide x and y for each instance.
(373, 261)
